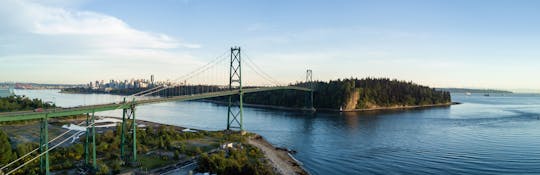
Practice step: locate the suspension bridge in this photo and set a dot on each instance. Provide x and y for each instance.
(179, 90)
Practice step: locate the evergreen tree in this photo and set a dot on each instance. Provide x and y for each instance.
(6, 154)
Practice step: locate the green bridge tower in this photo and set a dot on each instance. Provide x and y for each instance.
(310, 85)
(235, 116)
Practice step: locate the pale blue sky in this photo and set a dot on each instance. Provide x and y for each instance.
(482, 44)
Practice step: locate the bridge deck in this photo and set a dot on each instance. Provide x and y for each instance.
(63, 112)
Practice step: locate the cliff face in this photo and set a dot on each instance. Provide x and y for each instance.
(352, 101)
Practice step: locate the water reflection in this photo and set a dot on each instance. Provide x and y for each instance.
(351, 120)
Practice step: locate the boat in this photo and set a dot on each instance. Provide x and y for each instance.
(468, 93)
(486, 95)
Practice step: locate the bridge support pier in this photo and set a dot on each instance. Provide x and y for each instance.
(94, 160)
(90, 132)
(122, 135)
(86, 143)
(44, 146)
(309, 101)
(134, 125)
(129, 112)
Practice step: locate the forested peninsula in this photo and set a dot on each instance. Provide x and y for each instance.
(355, 94)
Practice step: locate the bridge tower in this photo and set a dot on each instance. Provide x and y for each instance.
(235, 115)
(310, 85)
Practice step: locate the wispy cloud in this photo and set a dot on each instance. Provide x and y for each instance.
(99, 33)
(53, 31)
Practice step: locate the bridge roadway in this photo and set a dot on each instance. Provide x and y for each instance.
(63, 112)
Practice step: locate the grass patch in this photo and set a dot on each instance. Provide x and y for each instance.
(151, 162)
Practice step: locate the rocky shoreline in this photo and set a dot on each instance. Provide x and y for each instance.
(392, 108)
(337, 110)
(281, 159)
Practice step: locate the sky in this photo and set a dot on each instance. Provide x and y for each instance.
(454, 43)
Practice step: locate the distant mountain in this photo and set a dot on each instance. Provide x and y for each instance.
(483, 91)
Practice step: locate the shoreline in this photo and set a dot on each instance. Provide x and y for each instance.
(281, 160)
(392, 108)
(335, 110)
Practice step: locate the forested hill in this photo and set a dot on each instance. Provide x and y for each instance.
(351, 94)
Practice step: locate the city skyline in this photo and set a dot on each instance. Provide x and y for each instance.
(441, 44)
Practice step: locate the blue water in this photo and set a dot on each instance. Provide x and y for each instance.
(484, 135)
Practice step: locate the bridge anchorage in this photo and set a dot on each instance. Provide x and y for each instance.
(177, 92)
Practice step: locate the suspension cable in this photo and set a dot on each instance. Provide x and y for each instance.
(189, 75)
(61, 142)
(264, 74)
(27, 154)
(272, 82)
(192, 74)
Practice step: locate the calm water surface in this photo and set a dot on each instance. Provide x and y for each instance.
(484, 135)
